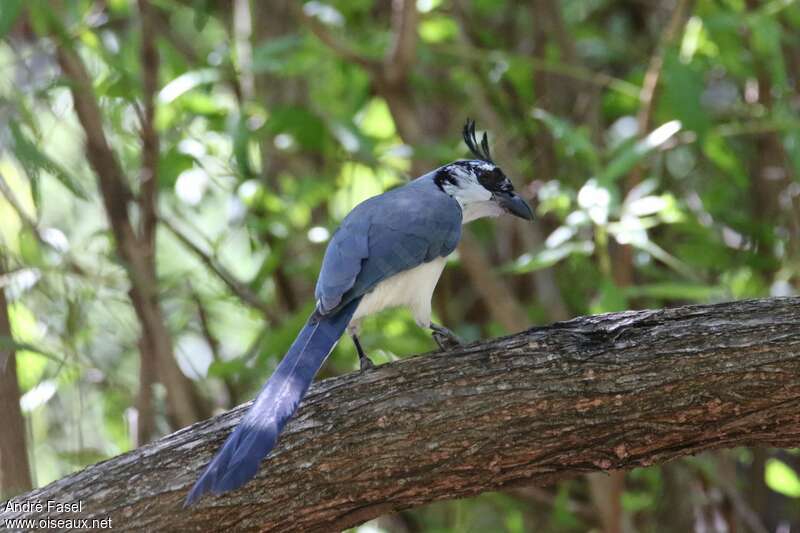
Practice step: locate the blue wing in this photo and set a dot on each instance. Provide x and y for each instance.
(385, 235)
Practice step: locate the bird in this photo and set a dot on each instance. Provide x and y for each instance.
(389, 251)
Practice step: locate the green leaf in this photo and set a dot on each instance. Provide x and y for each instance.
(34, 161)
(437, 29)
(171, 164)
(187, 82)
(632, 153)
(306, 128)
(681, 98)
(228, 369)
(573, 140)
(9, 11)
(719, 151)
(767, 32)
(634, 502)
(7, 343)
(609, 298)
(202, 9)
(275, 55)
(29, 248)
(781, 478)
(548, 257)
(241, 148)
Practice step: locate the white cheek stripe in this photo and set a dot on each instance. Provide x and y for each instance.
(468, 190)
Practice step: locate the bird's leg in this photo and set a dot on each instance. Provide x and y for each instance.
(362, 357)
(446, 339)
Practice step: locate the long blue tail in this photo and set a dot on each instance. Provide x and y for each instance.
(254, 437)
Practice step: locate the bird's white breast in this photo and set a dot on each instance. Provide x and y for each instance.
(411, 288)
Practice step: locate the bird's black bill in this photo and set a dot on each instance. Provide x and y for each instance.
(514, 204)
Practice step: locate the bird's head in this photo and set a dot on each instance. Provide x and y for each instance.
(478, 185)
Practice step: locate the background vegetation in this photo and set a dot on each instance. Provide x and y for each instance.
(171, 171)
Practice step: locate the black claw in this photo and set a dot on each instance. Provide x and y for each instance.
(363, 360)
(366, 363)
(446, 339)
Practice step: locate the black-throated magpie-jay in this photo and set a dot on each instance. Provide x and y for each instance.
(388, 252)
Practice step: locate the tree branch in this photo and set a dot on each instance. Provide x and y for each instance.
(652, 77)
(336, 45)
(236, 287)
(15, 475)
(607, 392)
(148, 204)
(148, 199)
(183, 404)
(400, 55)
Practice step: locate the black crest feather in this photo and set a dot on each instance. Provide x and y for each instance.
(481, 151)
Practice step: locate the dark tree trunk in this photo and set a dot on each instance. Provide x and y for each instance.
(599, 393)
(15, 476)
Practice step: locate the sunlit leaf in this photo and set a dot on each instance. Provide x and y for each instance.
(7, 343)
(29, 248)
(376, 119)
(34, 161)
(549, 257)
(649, 205)
(595, 199)
(185, 83)
(631, 154)
(781, 478)
(437, 29)
(38, 395)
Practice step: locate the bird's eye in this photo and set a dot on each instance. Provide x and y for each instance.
(494, 180)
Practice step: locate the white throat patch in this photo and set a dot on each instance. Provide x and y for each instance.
(475, 201)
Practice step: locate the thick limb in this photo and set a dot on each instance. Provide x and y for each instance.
(446, 339)
(363, 360)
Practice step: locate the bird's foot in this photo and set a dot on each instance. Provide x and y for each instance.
(365, 363)
(446, 339)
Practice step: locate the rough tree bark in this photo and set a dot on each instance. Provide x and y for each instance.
(136, 249)
(600, 393)
(15, 476)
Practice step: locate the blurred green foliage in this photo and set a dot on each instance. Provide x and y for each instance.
(269, 136)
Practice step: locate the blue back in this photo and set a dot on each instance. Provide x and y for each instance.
(384, 235)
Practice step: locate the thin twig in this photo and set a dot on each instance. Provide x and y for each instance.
(184, 406)
(148, 200)
(600, 79)
(400, 55)
(33, 226)
(335, 44)
(238, 288)
(652, 77)
(213, 343)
